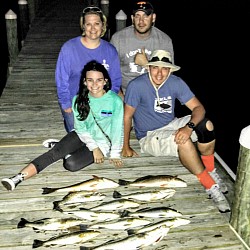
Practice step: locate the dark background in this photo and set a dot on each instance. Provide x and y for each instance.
(211, 43)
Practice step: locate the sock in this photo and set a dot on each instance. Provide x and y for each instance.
(205, 179)
(208, 161)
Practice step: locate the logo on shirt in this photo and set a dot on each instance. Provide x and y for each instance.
(106, 113)
(163, 105)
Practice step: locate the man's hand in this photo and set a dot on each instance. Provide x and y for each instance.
(117, 162)
(182, 135)
(128, 152)
(141, 58)
(98, 156)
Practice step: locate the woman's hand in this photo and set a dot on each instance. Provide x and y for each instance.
(98, 156)
(117, 162)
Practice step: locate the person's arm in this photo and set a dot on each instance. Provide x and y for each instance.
(198, 110)
(62, 81)
(127, 151)
(198, 113)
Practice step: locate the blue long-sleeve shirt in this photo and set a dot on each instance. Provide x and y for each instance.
(71, 60)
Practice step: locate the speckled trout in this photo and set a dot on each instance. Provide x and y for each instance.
(153, 212)
(171, 223)
(146, 196)
(78, 197)
(67, 239)
(166, 181)
(93, 184)
(49, 223)
(121, 224)
(133, 242)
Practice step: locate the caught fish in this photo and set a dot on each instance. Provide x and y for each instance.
(133, 242)
(93, 184)
(166, 181)
(87, 214)
(67, 239)
(49, 224)
(116, 204)
(78, 197)
(147, 196)
(171, 223)
(155, 212)
(124, 223)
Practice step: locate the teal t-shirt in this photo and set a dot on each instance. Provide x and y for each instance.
(108, 111)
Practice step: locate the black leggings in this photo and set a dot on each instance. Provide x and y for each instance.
(71, 149)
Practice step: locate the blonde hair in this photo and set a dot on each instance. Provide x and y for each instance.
(102, 17)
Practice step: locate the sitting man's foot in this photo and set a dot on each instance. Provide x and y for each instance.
(11, 183)
(218, 198)
(50, 143)
(219, 181)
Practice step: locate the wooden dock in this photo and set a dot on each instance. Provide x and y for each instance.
(30, 114)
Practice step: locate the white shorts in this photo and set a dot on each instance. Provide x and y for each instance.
(160, 142)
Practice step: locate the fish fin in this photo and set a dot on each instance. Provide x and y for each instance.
(22, 223)
(47, 190)
(130, 231)
(124, 213)
(37, 243)
(123, 182)
(116, 194)
(83, 208)
(85, 248)
(96, 177)
(56, 205)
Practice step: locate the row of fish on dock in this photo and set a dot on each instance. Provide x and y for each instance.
(145, 226)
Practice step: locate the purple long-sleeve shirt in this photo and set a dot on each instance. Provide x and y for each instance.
(72, 59)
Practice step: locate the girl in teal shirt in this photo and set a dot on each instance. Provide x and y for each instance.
(98, 115)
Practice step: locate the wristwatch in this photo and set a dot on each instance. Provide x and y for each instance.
(191, 125)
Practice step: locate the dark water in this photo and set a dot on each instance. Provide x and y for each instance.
(211, 45)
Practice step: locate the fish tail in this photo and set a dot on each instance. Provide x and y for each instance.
(48, 190)
(130, 231)
(37, 243)
(22, 223)
(116, 194)
(123, 182)
(83, 227)
(124, 213)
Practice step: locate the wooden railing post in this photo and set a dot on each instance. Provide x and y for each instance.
(12, 39)
(240, 215)
(121, 19)
(24, 19)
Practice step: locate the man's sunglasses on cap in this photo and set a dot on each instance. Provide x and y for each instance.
(91, 9)
(157, 59)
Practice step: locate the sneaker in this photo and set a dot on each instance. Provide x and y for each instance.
(11, 183)
(50, 143)
(218, 198)
(219, 181)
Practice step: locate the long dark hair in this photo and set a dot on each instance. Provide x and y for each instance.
(82, 100)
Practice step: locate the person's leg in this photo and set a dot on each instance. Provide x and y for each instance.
(190, 159)
(67, 145)
(79, 159)
(68, 119)
(206, 145)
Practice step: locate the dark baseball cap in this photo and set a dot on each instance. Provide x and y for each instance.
(143, 6)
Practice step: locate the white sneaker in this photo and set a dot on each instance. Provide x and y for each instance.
(219, 181)
(11, 183)
(50, 143)
(218, 198)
